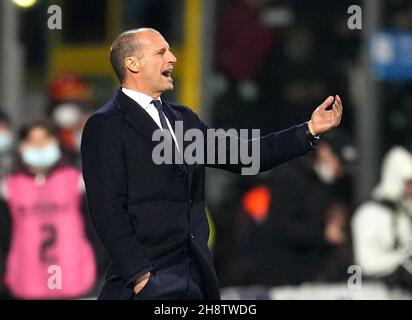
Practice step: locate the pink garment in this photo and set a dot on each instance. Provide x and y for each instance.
(48, 236)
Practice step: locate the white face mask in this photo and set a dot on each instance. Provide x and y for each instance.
(42, 157)
(324, 172)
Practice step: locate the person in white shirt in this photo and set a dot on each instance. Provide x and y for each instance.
(382, 226)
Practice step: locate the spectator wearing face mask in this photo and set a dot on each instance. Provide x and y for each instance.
(382, 226)
(70, 118)
(50, 255)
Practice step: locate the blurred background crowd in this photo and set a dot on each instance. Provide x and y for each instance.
(262, 64)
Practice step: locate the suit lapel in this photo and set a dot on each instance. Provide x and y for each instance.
(141, 121)
(136, 116)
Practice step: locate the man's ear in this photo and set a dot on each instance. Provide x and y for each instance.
(133, 64)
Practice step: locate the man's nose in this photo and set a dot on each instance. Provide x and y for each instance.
(172, 57)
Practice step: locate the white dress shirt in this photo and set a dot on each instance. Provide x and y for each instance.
(144, 101)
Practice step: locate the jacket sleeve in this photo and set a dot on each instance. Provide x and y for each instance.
(237, 153)
(104, 173)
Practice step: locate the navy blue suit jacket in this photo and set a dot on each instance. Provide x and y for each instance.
(149, 217)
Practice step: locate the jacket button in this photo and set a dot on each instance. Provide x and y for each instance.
(192, 236)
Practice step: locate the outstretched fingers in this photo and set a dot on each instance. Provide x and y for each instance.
(339, 104)
(326, 103)
(337, 110)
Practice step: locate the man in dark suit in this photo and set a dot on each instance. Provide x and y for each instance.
(151, 218)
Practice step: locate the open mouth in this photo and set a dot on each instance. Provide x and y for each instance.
(167, 73)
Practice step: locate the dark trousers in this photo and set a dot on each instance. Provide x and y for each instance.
(195, 290)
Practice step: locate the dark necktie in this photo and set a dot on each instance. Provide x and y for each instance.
(159, 107)
(163, 122)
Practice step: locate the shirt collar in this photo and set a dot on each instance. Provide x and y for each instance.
(141, 98)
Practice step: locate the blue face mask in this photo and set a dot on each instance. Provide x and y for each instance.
(42, 157)
(6, 141)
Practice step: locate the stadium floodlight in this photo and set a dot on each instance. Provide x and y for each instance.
(25, 3)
